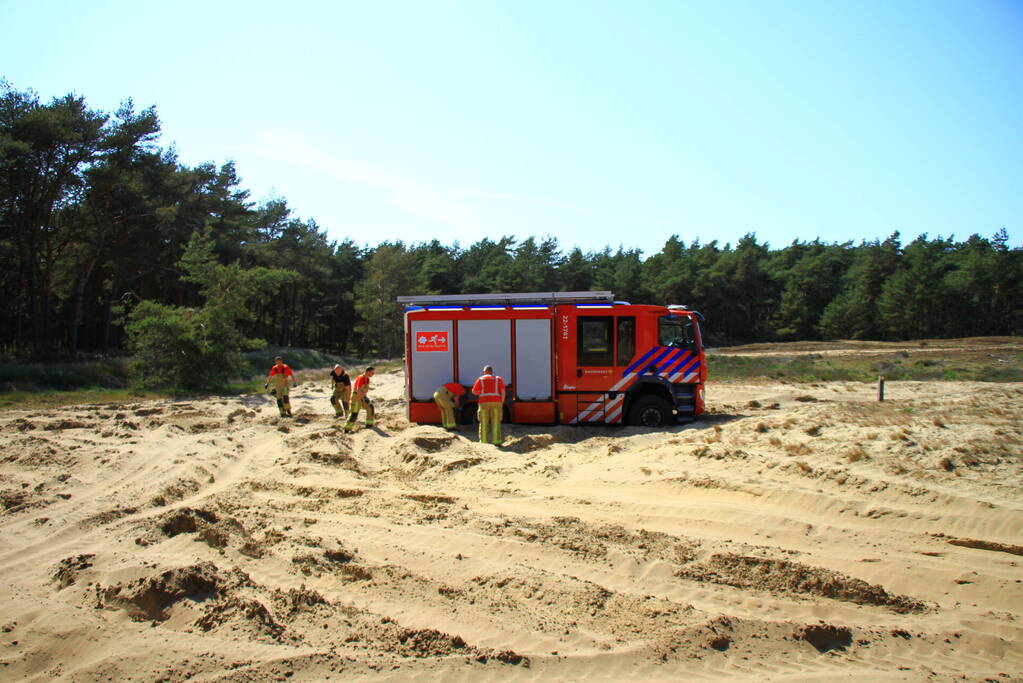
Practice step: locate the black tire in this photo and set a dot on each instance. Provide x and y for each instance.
(650, 411)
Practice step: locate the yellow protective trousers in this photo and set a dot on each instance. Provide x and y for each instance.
(489, 415)
(283, 402)
(340, 401)
(358, 403)
(442, 397)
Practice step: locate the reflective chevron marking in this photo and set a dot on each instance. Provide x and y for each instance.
(686, 369)
(613, 414)
(674, 362)
(642, 361)
(677, 362)
(583, 414)
(586, 413)
(612, 410)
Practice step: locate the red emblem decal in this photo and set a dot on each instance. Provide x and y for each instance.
(431, 341)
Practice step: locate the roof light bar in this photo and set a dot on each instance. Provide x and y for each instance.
(511, 299)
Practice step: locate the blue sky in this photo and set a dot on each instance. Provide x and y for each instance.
(598, 123)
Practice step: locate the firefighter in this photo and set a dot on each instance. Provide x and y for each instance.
(490, 389)
(360, 399)
(448, 398)
(342, 391)
(280, 373)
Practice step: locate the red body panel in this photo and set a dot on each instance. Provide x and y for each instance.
(423, 412)
(533, 412)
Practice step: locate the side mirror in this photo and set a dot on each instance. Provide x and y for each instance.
(688, 333)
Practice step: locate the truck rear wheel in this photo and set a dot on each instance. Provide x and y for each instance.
(650, 411)
(466, 415)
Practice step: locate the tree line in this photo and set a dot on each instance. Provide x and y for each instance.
(96, 217)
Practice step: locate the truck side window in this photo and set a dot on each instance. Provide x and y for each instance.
(669, 332)
(626, 340)
(676, 332)
(594, 335)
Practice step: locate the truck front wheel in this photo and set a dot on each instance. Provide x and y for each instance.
(650, 411)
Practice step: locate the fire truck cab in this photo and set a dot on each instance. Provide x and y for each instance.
(566, 357)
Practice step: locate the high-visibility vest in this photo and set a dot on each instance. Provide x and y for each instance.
(281, 369)
(488, 388)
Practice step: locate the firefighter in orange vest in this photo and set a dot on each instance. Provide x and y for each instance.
(490, 389)
(280, 373)
(447, 399)
(360, 400)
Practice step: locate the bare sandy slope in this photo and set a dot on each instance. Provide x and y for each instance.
(1003, 348)
(799, 532)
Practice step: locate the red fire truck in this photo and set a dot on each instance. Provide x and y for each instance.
(566, 357)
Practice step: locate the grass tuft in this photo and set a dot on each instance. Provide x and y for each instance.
(856, 454)
(798, 449)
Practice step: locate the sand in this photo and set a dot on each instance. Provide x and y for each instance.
(798, 532)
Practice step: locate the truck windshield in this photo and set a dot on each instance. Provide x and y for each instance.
(675, 332)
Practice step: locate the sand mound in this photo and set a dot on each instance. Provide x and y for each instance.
(150, 598)
(68, 570)
(791, 577)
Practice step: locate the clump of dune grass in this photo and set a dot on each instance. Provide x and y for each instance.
(798, 449)
(856, 454)
(894, 466)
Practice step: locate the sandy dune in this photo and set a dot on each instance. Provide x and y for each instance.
(799, 532)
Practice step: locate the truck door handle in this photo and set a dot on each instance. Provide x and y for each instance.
(578, 372)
